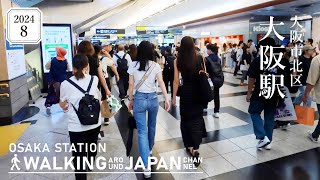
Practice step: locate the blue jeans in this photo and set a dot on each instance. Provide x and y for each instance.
(262, 129)
(143, 103)
(298, 99)
(316, 132)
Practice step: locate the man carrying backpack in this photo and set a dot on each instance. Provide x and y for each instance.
(168, 70)
(122, 61)
(214, 68)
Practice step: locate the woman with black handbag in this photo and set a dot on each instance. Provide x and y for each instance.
(192, 126)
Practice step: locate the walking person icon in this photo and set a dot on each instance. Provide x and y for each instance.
(15, 162)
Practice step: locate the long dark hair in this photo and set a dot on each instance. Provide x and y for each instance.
(187, 56)
(145, 53)
(79, 62)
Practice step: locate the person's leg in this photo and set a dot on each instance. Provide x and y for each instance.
(93, 139)
(139, 112)
(75, 138)
(106, 120)
(153, 106)
(171, 87)
(236, 69)
(166, 81)
(216, 100)
(120, 84)
(56, 86)
(186, 134)
(197, 132)
(244, 76)
(126, 85)
(316, 132)
(269, 112)
(255, 109)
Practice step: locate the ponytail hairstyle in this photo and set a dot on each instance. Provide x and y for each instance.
(79, 62)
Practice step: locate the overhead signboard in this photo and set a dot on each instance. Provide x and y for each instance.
(110, 31)
(151, 30)
(101, 37)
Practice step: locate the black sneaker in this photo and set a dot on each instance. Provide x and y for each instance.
(106, 121)
(315, 140)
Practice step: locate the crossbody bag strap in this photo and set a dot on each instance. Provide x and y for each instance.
(145, 76)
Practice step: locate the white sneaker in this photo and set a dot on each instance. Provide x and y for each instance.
(315, 140)
(268, 147)
(147, 173)
(286, 127)
(263, 143)
(216, 115)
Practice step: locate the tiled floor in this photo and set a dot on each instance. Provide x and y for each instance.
(228, 152)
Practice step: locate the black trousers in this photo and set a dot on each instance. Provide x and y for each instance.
(86, 137)
(236, 69)
(103, 92)
(123, 85)
(166, 81)
(216, 100)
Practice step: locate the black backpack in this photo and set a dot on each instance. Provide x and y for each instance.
(122, 65)
(234, 55)
(216, 69)
(89, 107)
(169, 65)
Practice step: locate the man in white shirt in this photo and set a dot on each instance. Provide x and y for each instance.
(204, 50)
(122, 61)
(253, 49)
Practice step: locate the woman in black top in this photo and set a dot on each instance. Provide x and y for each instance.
(245, 64)
(86, 48)
(191, 110)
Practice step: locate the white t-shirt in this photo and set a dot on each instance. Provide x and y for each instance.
(239, 54)
(149, 85)
(105, 63)
(73, 96)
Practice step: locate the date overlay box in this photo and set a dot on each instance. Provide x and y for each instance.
(24, 25)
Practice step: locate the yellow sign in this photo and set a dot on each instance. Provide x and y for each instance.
(141, 28)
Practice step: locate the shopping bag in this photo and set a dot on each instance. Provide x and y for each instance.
(285, 110)
(305, 115)
(114, 104)
(243, 67)
(105, 110)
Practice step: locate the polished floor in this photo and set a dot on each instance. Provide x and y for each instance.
(228, 152)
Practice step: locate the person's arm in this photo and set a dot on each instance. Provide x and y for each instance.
(164, 91)
(63, 97)
(103, 81)
(313, 78)
(175, 83)
(115, 71)
(131, 86)
(48, 65)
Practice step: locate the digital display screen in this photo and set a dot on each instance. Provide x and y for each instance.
(53, 36)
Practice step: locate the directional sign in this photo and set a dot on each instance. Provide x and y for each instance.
(110, 31)
(24, 25)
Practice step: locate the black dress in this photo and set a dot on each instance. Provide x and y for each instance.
(191, 110)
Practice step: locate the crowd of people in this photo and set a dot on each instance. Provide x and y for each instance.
(140, 70)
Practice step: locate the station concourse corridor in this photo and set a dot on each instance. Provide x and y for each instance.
(85, 87)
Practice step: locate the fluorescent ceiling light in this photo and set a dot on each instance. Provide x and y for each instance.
(300, 18)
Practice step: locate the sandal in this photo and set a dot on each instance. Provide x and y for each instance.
(196, 158)
(189, 152)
